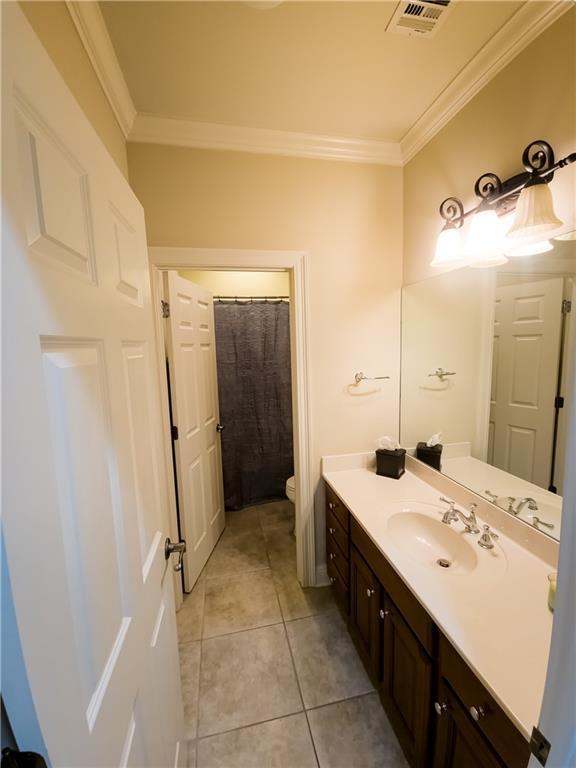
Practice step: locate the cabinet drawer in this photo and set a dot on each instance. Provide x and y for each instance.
(413, 613)
(336, 556)
(489, 717)
(339, 588)
(335, 533)
(334, 505)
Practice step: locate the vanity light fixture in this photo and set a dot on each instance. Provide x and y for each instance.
(528, 192)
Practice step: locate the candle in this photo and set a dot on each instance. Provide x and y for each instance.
(552, 590)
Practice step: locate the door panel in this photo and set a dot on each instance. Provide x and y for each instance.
(192, 359)
(524, 376)
(85, 502)
(406, 685)
(364, 612)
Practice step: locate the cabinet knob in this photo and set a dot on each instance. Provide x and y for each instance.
(331, 506)
(440, 707)
(332, 555)
(384, 613)
(332, 579)
(369, 592)
(477, 712)
(332, 531)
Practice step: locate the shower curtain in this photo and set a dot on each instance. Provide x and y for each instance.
(254, 386)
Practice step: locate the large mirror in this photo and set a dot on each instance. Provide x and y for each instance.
(487, 360)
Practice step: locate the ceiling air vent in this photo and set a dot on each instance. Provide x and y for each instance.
(418, 17)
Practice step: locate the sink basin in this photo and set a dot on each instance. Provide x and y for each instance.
(429, 540)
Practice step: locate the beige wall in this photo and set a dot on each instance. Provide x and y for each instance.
(532, 98)
(55, 28)
(447, 322)
(347, 217)
(225, 283)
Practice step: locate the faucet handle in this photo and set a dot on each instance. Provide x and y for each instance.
(487, 537)
(451, 503)
(473, 507)
(511, 500)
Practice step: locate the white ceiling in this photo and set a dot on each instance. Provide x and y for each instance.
(325, 68)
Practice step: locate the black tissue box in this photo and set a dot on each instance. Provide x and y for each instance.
(390, 463)
(430, 455)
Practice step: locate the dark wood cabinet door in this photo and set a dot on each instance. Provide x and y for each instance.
(365, 613)
(406, 686)
(459, 743)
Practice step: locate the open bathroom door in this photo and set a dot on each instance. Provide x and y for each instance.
(195, 414)
(85, 503)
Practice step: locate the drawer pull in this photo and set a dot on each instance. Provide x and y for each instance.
(331, 506)
(477, 712)
(369, 592)
(332, 555)
(332, 531)
(384, 613)
(332, 579)
(440, 708)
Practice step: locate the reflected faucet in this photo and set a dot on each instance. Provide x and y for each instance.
(528, 500)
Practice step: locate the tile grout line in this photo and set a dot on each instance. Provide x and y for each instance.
(244, 629)
(301, 694)
(293, 662)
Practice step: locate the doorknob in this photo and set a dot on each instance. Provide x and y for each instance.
(171, 547)
(219, 427)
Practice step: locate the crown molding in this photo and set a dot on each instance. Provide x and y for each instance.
(529, 21)
(148, 129)
(91, 28)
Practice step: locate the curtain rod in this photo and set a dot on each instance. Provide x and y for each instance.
(251, 298)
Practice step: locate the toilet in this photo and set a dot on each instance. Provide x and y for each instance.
(291, 489)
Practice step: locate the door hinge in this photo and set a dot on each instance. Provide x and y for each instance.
(539, 746)
(566, 306)
(165, 308)
(558, 401)
(174, 432)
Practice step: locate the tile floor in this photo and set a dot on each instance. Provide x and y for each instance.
(270, 677)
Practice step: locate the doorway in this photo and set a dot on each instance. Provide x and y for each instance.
(293, 265)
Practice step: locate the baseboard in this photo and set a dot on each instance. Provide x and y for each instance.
(322, 579)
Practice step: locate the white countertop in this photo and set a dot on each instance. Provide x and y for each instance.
(500, 624)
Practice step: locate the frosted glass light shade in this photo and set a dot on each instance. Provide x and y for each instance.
(485, 243)
(448, 248)
(534, 213)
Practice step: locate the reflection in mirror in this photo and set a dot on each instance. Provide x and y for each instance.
(507, 339)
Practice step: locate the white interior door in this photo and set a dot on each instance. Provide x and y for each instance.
(85, 483)
(194, 389)
(524, 377)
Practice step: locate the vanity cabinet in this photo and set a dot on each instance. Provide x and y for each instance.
(338, 549)
(440, 711)
(365, 613)
(458, 742)
(406, 686)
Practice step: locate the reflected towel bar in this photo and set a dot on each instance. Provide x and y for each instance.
(441, 373)
(358, 377)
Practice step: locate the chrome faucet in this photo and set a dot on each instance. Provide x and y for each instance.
(469, 521)
(527, 500)
(486, 541)
(450, 513)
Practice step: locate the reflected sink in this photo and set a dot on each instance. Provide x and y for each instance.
(429, 540)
